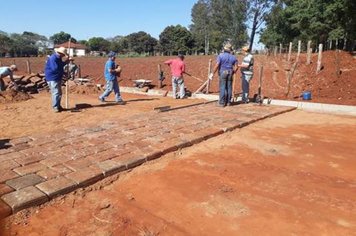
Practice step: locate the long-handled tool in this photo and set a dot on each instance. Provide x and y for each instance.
(194, 77)
(68, 76)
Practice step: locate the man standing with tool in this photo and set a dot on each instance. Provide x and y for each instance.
(54, 71)
(110, 72)
(226, 65)
(177, 69)
(246, 73)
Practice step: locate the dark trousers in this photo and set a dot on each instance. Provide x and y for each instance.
(225, 85)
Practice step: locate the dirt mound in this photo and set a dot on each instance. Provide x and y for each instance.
(85, 89)
(9, 96)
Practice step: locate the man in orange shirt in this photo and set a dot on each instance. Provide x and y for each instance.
(177, 69)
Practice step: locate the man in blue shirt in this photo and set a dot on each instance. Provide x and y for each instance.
(54, 73)
(7, 71)
(111, 71)
(226, 64)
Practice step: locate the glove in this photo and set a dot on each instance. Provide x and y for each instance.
(211, 75)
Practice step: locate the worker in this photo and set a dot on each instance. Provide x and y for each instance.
(54, 71)
(7, 71)
(226, 65)
(73, 69)
(177, 69)
(246, 73)
(111, 72)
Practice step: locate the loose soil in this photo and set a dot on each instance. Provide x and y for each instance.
(326, 86)
(288, 175)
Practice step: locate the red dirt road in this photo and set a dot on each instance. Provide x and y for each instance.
(288, 175)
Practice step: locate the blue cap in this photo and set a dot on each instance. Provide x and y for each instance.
(111, 54)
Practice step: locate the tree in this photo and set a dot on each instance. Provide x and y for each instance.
(5, 44)
(141, 42)
(258, 9)
(98, 44)
(62, 37)
(201, 27)
(176, 39)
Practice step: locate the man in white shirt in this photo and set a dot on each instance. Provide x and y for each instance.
(246, 68)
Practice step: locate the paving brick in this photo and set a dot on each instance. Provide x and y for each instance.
(21, 146)
(5, 189)
(58, 186)
(5, 210)
(20, 140)
(48, 174)
(8, 165)
(6, 150)
(78, 164)
(31, 168)
(7, 175)
(86, 176)
(24, 198)
(29, 159)
(130, 160)
(55, 161)
(61, 169)
(11, 156)
(110, 167)
(24, 181)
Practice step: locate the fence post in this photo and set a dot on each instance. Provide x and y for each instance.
(345, 43)
(309, 51)
(79, 71)
(209, 71)
(330, 44)
(299, 49)
(280, 49)
(275, 51)
(290, 50)
(318, 68)
(28, 67)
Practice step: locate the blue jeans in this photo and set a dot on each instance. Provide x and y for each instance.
(178, 82)
(225, 86)
(112, 85)
(56, 92)
(245, 80)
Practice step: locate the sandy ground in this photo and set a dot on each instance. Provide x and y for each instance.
(288, 175)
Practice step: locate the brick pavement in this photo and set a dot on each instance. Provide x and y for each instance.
(38, 168)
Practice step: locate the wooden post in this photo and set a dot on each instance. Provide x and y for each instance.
(68, 74)
(290, 50)
(299, 49)
(159, 75)
(345, 43)
(290, 76)
(275, 51)
(337, 63)
(318, 68)
(280, 49)
(209, 71)
(337, 44)
(330, 44)
(79, 71)
(309, 51)
(28, 67)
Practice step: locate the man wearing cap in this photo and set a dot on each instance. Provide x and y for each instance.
(246, 73)
(226, 67)
(71, 69)
(7, 71)
(110, 72)
(54, 71)
(177, 69)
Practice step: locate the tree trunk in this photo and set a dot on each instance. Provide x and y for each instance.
(253, 30)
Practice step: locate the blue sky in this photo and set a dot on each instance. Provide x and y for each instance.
(84, 19)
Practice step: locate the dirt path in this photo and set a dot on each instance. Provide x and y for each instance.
(288, 175)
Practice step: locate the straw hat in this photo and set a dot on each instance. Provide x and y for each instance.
(61, 50)
(228, 47)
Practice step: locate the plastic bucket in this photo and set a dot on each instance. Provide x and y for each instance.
(307, 95)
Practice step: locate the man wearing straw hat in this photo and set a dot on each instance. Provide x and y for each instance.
(54, 71)
(226, 64)
(246, 73)
(7, 71)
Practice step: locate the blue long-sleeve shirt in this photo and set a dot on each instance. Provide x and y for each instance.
(54, 68)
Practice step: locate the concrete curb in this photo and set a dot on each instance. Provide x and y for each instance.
(307, 106)
(316, 107)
